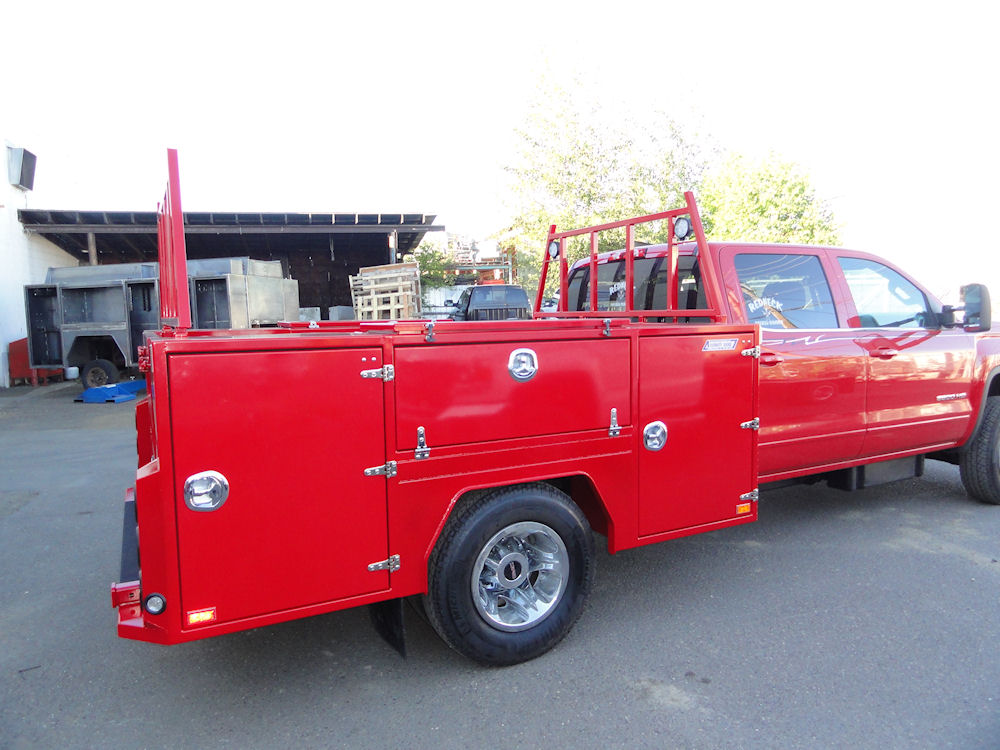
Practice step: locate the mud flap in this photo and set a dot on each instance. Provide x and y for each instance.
(387, 617)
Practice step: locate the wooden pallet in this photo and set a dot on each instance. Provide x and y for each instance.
(387, 292)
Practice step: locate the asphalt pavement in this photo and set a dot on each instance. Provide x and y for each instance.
(838, 620)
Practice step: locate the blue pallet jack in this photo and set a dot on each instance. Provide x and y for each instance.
(115, 393)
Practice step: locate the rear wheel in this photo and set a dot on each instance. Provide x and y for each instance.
(980, 462)
(98, 372)
(510, 574)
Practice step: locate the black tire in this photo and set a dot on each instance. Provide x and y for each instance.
(980, 461)
(98, 372)
(495, 546)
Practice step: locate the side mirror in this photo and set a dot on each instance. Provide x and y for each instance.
(978, 313)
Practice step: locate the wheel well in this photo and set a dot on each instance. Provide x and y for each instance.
(88, 348)
(579, 488)
(994, 389)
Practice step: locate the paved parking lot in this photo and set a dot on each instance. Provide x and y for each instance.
(861, 620)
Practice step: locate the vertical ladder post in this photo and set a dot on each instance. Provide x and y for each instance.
(175, 303)
(593, 271)
(708, 267)
(629, 266)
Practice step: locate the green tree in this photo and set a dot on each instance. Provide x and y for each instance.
(770, 200)
(581, 163)
(436, 267)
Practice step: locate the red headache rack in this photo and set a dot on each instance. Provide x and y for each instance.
(555, 251)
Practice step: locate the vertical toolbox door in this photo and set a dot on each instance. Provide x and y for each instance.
(292, 432)
(700, 389)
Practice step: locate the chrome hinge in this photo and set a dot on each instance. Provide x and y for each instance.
(754, 352)
(753, 424)
(615, 429)
(430, 331)
(422, 450)
(392, 565)
(386, 373)
(752, 495)
(607, 327)
(387, 469)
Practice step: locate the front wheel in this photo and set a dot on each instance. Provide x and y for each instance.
(510, 574)
(980, 462)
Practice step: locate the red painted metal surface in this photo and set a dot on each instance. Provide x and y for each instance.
(175, 307)
(475, 399)
(706, 463)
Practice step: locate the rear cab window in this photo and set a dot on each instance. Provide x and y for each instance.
(650, 285)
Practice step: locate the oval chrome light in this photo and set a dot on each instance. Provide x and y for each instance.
(206, 490)
(553, 249)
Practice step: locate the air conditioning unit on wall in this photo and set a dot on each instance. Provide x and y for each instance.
(21, 168)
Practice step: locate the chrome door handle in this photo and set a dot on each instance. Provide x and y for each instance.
(770, 359)
(885, 352)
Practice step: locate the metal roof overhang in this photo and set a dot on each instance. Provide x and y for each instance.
(130, 236)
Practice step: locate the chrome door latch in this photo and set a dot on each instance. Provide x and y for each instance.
(615, 429)
(753, 424)
(751, 496)
(753, 352)
(422, 450)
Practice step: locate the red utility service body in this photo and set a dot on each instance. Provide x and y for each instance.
(346, 446)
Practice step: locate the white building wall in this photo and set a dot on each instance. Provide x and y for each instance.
(24, 260)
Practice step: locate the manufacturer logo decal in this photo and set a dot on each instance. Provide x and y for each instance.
(952, 396)
(719, 345)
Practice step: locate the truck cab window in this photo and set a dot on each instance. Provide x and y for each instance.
(785, 291)
(884, 298)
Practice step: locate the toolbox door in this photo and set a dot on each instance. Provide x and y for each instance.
(292, 433)
(695, 457)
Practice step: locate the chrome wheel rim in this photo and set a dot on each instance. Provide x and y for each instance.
(520, 576)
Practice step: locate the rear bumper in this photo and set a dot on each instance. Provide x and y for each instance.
(125, 595)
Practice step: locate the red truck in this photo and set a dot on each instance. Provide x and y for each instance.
(313, 467)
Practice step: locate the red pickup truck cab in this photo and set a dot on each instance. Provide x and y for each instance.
(863, 373)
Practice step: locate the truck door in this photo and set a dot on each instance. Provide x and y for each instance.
(812, 369)
(919, 375)
(292, 433)
(696, 458)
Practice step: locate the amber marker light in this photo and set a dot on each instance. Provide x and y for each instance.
(742, 509)
(201, 616)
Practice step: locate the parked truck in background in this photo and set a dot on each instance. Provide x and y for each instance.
(94, 317)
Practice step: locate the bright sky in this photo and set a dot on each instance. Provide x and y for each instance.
(411, 107)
